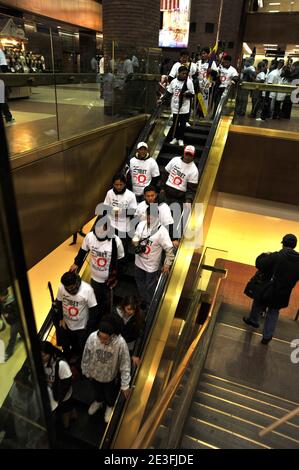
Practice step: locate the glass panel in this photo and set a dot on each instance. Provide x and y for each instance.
(30, 111)
(22, 420)
(266, 6)
(121, 85)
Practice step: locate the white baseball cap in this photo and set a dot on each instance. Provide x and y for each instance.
(142, 144)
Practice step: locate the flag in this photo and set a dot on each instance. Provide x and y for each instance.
(213, 54)
(169, 5)
(202, 104)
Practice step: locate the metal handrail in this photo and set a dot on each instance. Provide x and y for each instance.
(275, 87)
(148, 430)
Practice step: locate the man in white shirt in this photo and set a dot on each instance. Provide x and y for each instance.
(227, 75)
(205, 70)
(151, 197)
(144, 170)
(180, 178)
(4, 108)
(191, 67)
(123, 203)
(105, 251)
(184, 60)
(150, 240)
(272, 78)
(181, 90)
(77, 311)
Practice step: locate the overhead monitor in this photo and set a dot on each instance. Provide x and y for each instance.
(175, 15)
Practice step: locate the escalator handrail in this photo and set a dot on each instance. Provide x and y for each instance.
(213, 129)
(146, 131)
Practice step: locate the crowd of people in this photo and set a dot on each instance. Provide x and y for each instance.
(95, 337)
(266, 104)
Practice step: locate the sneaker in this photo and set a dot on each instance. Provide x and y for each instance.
(250, 323)
(181, 143)
(188, 124)
(260, 119)
(173, 142)
(10, 120)
(108, 413)
(94, 407)
(266, 341)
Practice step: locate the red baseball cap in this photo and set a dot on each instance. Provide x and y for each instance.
(190, 149)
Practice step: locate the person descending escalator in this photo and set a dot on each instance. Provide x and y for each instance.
(144, 171)
(106, 355)
(105, 249)
(150, 240)
(122, 203)
(180, 178)
(77, 313)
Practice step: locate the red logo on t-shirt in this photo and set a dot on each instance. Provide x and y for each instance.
(101, 262)
(141, 178)
(73, 311)
(177, 180)
(147, 250)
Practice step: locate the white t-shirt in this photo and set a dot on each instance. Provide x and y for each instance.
(123, 202)
(261, 77)
(273, 77)
(76, 307)
(100, 255)
(64, 372)
(202, 68)
(155, 244)
(175, 69)
(3, 60)
(226, 75)
(142, 172)
(181, 173)
(175, 88)
(165, 217)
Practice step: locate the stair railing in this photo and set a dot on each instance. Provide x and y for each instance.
(279, 422)
(149, 428)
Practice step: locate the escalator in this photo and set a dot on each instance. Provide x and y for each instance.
(91, 431)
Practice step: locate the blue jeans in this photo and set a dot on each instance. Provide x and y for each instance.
(146, 283)
(270, 320)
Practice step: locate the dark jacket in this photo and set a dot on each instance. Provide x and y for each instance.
(130, 331)
(285, 264)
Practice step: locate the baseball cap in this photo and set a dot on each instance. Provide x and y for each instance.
(142, 144)
(190, 149)
(289, 240)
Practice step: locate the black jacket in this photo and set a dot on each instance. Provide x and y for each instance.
(285, 264)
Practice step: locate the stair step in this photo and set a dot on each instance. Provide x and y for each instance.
(248, 412)
(250, 391)
(242, 398)
(220, 436)
(189, 442)
(247, 427)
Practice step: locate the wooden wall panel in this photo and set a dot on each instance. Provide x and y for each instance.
(260, 167)
(278, 28)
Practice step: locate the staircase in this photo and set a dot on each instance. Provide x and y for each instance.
(228, 415)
